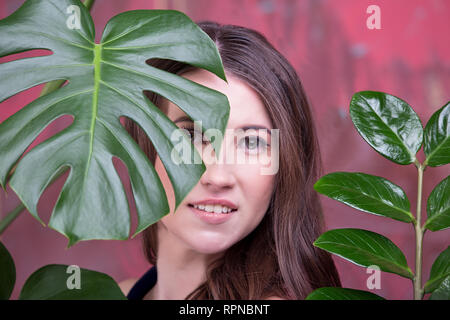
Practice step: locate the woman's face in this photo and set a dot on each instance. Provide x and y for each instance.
(237, 185)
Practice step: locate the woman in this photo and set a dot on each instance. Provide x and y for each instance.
(260, 247)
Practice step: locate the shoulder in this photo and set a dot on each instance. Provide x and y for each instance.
(127, 284)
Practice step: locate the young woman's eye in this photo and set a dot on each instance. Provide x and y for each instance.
(253, 143)
(196, 136)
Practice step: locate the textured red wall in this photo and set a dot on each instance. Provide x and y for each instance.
(335, 55)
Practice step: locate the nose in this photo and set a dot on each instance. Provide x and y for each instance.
(219, 175)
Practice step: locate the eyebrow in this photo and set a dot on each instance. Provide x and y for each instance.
(255, 127)
(183, 118)
(245, 128)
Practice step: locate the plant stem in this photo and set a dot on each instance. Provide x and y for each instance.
(10, 217)
(418, 291)
(88, 4)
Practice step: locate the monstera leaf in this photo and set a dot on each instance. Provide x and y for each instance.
(105, 81)
(62, 282)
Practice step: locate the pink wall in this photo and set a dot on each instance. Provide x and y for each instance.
(335, 55)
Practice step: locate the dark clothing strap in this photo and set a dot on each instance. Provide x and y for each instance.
(143, 285)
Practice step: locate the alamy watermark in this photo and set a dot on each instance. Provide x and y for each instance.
(374, 281)
(74, 280)
(73, 21)
(250, 146)
(374, 20)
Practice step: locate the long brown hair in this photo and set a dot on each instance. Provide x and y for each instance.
(278, 257)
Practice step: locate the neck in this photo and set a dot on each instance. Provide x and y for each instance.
(180, 269)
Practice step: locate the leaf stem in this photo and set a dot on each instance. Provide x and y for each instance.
(88, 4)
(10, 217)
(418, 291)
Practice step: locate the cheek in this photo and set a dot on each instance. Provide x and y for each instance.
(257, 188)
(256, 193)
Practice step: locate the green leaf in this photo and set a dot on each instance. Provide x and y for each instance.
(365, 248)
(59, 282)
(443, 291)
(388, 124)
(439, 271)
(333, 293)
(7, 273)
(106, 81)
(368, 193)
(438, 207)
(436, 143)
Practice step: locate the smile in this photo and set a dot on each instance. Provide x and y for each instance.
(212, 214)
(216, 208)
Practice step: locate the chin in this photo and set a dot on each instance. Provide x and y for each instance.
(210, 245)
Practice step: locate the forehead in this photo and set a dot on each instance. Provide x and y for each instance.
(246, 106)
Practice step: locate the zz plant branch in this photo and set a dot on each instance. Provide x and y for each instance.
(394, 130)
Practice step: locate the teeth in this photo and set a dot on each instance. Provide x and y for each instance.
(217, 208)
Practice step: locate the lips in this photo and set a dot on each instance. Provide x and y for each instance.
(212, 203)
(216, 208)
(213, 211)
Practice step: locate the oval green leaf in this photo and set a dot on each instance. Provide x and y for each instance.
(365, 248)
(439, 271)
(333, 293)
(61, 282)
(7, 273)
(438, 207)
(367, 193)
(443, 291)
(106, 81)
(388, 124)
(436, 144)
